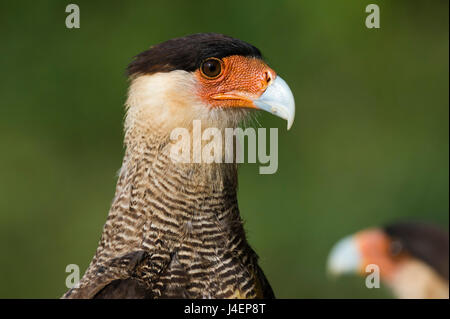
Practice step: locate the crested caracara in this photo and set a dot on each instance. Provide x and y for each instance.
(412, 258)
(174, 228)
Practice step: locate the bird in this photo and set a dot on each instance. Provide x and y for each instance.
(174, 229)
(412, 256)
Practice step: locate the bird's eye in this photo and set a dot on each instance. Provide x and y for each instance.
(396, 248)
(211, 68)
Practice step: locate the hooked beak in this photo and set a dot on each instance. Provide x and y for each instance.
(345, 257)
(278, 100)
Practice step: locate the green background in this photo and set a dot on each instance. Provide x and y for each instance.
(369, 143)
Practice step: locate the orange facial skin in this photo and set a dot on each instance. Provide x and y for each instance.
(241, 80)
(377, 248)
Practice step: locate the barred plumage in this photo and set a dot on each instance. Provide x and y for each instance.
(175, 232)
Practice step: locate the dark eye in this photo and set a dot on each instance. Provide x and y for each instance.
(211, 68)
(395, 248)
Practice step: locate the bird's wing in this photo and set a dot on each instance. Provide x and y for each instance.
(122, 277)
(130, 288)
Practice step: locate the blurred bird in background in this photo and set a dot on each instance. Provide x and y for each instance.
(174, 229)
(413, 258)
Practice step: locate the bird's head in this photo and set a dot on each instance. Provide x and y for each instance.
(209, 77)
(392, 248)
(354, 253)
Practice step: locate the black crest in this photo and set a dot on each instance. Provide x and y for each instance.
(423, 241)
(188, 52)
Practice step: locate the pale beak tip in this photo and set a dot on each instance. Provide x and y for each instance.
(289, 124)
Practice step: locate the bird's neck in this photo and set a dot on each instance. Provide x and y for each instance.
(159, 203)
(426, 283)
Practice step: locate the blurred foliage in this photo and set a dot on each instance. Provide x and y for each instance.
(369, 144)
